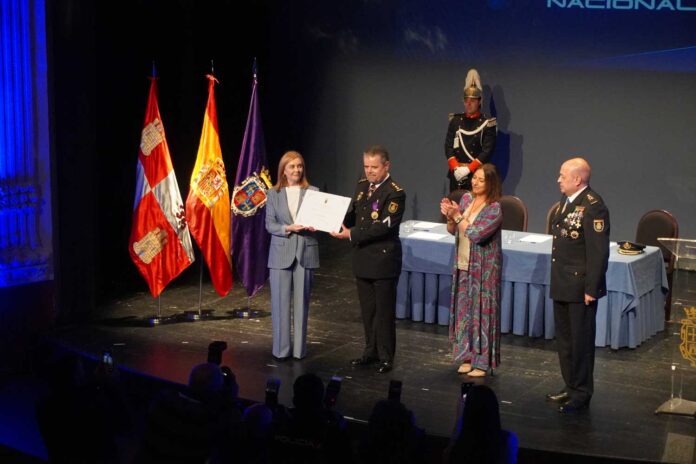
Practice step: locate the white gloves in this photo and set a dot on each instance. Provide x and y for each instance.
(461, 172)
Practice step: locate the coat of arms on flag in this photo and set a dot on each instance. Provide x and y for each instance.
(159, 244)
(208, 202)
(250, 194)
(209, 183)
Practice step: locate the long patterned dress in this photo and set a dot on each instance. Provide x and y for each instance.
(474, 323)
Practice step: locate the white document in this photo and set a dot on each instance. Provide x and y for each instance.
(323, 211)
(535, 238)
(424, 225)
(427, 236)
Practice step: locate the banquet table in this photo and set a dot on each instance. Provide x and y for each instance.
(630, 313)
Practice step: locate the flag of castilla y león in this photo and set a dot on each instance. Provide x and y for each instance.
(208, 202)
(160, 244)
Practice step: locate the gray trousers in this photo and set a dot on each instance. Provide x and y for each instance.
(293, 283)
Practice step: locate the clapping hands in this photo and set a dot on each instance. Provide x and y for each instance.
(448, 208)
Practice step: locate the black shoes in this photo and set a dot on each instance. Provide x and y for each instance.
(573, 406)
(382, 368)
(567, 405)
(561, 397)
(363, 361)
(385, 367)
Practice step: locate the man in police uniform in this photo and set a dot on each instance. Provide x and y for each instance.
(580, 228)
(470, 137)
(372, 225)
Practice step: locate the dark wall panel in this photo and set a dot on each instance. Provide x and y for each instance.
(562, 80)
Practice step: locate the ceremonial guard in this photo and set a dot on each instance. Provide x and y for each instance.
(470, 137)
(579, 259)
(372, 225)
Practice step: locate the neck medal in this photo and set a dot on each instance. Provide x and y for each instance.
(375, 206)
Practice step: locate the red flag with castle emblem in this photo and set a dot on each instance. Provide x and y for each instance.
(208, 202)
(160, 244)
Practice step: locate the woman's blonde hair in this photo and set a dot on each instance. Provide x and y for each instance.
(284, 160)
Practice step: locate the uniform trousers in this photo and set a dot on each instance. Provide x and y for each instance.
(291, 284)
(378, 305)
(575, 338)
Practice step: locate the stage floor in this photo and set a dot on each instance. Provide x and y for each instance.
(629, 384)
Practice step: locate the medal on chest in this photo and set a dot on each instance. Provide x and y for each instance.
(375, 206)
(574, 219)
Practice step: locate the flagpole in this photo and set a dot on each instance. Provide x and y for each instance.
(205, 212)
(156, 320)
(253, 159)
(200, 314)
(159, 249)
(200, 288)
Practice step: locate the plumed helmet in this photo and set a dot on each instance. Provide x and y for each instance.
(472, 85)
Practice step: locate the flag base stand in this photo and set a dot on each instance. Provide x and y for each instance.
(158, 319)
(677, 407)
(201, 315)
(246, 313)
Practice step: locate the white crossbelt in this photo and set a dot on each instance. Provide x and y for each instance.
(461, 132)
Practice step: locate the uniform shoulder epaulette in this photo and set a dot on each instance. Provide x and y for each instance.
(364, 179)
(591, 199)
(395, 186)
(492, 122)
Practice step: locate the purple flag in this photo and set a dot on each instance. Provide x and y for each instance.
(250, 240)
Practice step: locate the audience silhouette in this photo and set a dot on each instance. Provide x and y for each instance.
(203, 423)
(200, 424)
(94, 406)
(309, 432)
(392, 436)
(478, 437)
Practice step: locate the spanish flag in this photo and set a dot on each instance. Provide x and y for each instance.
(208, 202)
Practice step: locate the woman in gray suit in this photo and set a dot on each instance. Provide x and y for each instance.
(293, 255)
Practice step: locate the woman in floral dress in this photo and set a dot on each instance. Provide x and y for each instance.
(474, 327)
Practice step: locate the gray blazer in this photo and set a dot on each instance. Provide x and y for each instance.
(285, 248)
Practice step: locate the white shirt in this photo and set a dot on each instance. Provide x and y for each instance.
(385, 179)
(293, 194)
(575, 195)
